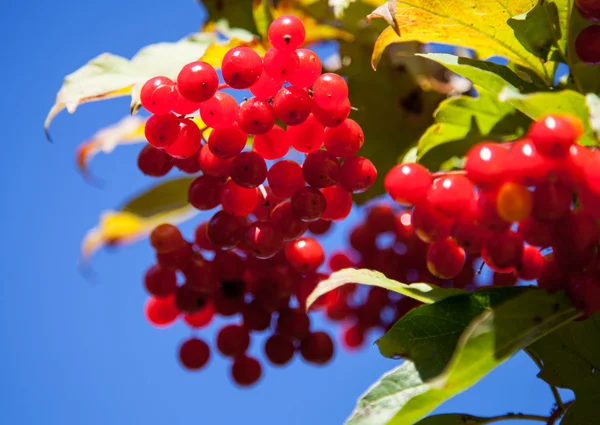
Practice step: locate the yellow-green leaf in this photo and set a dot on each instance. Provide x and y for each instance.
(167, 202)
(482, 26)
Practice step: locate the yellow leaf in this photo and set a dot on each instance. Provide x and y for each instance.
(164, 203)
(128, 130)
(479, 25)
(387, 37)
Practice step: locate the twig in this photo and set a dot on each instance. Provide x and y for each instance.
(449, 173)
(516, 417)
(538, 362)
(559, 413)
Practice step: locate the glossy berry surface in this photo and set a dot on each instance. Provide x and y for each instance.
(308, 70)
(159, 95)
(187, 142)
(273, 144)
(292, 105)
(286, 33)
(197, 81)
(357, 174)
(307, 136)
(256, 117)
(162, 130)
(241, 67)
(154, 162)
(329, 90)
(248, 169)
(408, 184)
(220, 111)
(305, 255)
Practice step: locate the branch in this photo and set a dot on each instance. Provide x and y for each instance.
(557, 398)
(515, 417)
(559, 413)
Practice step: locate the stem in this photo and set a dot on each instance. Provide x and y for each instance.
(449, 173)
(559, 413)
(223, 86)
(516, 417)
(557, 398)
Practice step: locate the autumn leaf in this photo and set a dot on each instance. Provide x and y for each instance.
(482, 26)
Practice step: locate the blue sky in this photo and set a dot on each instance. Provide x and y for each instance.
(76, 352)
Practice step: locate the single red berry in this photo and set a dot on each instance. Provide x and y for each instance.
(305, 255)
(590, 9)
(161, 130)
(285, 177)
(452, 195)
(279, 349)
(333, 117)
(354, 336)
(344, 140)
(188, 140)
(445, 259)
(486, 164)
(264, 239)
(308, 70)
(227, 142)
(160, 282)
(288, 224)
(194, 354)
(189, 299)
(469, 235)
(233, 340)
(279, 64)
(273, 144)
(577, 230)
(587, 45)
(204, 192)
(292, 105)
(531, 264)
(245, 370)
(287, 33)
(248, 169)
(238, 200)
(339, 203)
(256, 117)
(212, 165)
(201, 318)
(408, 184)
(189, 165)
(429, 224)
(293, 323)
(307, 136)
(503, 251)
(526, 164)
(177, 259)
(308, 204)
(201, 237)
(241, 67)
(317, 348)
(321, 169)
(584, 292)
(551, 201)
(220, 111)
(159, 95)
(225, 230)
(319, 227)
(552, 277)
(486, 211)
(537, 233)
(197, 81)
(329, 90)
(339, 261)
(266, 86)
(154, 162)
(357, 174)
(552, 135)
(161, 312)
(166, 238)
(256, 318)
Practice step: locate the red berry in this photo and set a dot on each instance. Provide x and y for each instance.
(452, 195)
(166, 238)
(264, 239)
(194, 354)
(317, 348)
(332, 117)
(514, 202)
(429, 224)
(293, 323)
(256, 318)
(308, 204)
(185, 106)
(526, 164)
(307, 136)
(189, 165)
(445, 259)
(552, 278)
(590, 9)
(354, 336)
(256, 117)
(159, 95)
(503, 251)
(308, 70)
(587, 45)
(189, 299)
(201, 318)
(288, 224)
(584, 292)
(531, 264)
(486, 164)
(287, 33)
(319, 227)
(279, 349)
(238, 200)
(344, 140)
(305, 255)
(241, 67)
(220, 111)
(212, 165)
(265, 87)
(321, 169)
(201, 237)
(486, 211)
(273, 144)
(248, 169)
(551, 201)
(339, 203)
(292, 105)
(160, 282)
(552, 135)
(197, 81)
(469, 235)
(245, 370)
(154, 162)
(161, 130)
(339, 261)
(285, 177)
(329, 90)
(357, 174)
(204, 192)
(279, 64)
(188, 140)
(225, 230)
(161, 312)
(408, 184)
(227, 142)
(233, 340)
(537, 233)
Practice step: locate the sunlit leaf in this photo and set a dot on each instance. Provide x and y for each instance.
(128, 130)
(464, 419)
(262, 17)
(482, 26)
(423, 292)
(402, 396)
(167, 202)
(339, 6)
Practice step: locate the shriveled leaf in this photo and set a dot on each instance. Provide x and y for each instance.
(402, 396)
(339, 6)
(129, 130)
(463, 121)
(428, 335)
(536, 105)
(482, 26)
(166, 202)
(423, 292)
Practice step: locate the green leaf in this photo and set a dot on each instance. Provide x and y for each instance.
(428, 335)
(537, 105)
(463, 419)
(537, 29)
(262, 17)
(464, 121)
(237, 12)
(402, 396)
(423, 292)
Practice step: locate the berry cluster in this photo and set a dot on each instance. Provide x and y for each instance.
(512, 202)
(587, 43)
(252, 257)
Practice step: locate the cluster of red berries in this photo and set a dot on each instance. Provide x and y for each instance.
(511, 202)
(587, 43)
